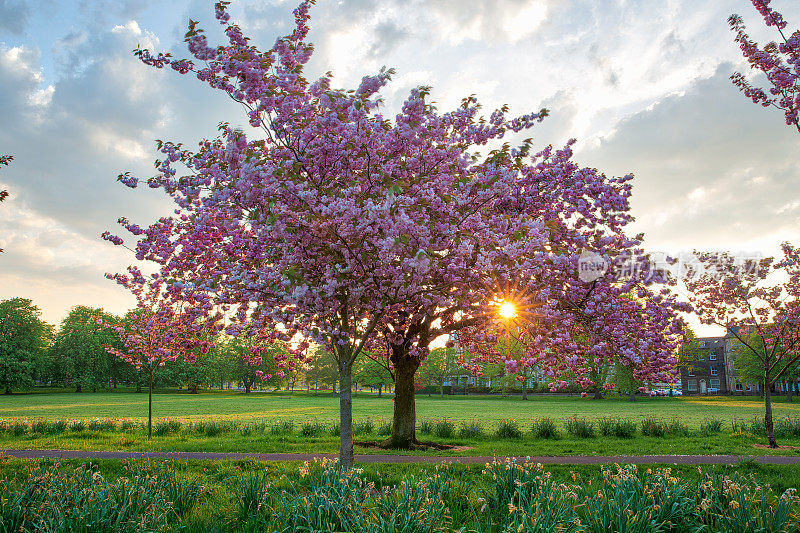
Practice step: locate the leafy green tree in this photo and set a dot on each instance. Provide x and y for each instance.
(440, 366)
(23, 342)
(234, 351)
(373, 372)
(625, 381)
(79, 349)
(750, 368)
(322, 369)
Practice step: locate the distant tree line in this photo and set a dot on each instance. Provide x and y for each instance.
(73, 355)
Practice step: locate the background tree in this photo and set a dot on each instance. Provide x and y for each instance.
(440, 366)
(321, 369)
(778, 61)
(156, 332)
(625, 380)
(750, 368)
(373, 372)
(23, 342)
(751, 301)
(79, 348)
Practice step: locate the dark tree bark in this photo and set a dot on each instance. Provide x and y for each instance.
(247, 388)
(8, 390)
(404, 418)
(380, 390)
(789, 387)
(194, 390)
(78, 388)
(768, 412)
(346, 456)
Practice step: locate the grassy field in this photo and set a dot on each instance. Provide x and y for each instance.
(301, 406)
(245, 423)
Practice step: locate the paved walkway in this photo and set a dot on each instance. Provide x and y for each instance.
(561, 460)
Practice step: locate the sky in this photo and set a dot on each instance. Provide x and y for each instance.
(643, 85)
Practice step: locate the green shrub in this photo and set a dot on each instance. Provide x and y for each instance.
(652, 427)
(212, 428)
(787, 426)
(544, 428)
(18, 428)
(77, 425)
(165, 427)
(470, 430)
(101, 425)
(711, 427)
(617, 427)
(281, 427)
(312, 429)
(676, 428)
(367, 427)
(580, 427)
(385, 429)
(127, 425)
(336, 430)
(444, 429)
(48, 427)
(508, 429)
(426, 427)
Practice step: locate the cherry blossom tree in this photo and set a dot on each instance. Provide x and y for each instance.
(156, 332)
(4, 160)
(758, 303)
(778, 61)
(333, 224)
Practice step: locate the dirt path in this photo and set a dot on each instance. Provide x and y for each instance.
(562, 460)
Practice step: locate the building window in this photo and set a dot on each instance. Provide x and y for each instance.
(702, 344)
(693, 385)
(691, 371)
(712, 356)
(714, 371)
(715, 384)
(739, 386)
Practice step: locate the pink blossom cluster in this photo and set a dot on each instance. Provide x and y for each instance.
(779, 62)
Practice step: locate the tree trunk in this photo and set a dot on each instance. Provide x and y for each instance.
(8, 390)
(380, 390)
(632, 396)
(194, 390)
(598, 394)
(789, 387)
(150, 408)
(768, 413)
(247, 388)
(525, 387)
(345, 414)
(78, 388)
(441, 389)
(404, 419)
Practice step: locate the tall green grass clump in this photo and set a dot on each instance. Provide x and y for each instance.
(444, 429)
(312, 429)
(544, 428)
(580, 427)
(617, 427)
(711, 427)
(470, 430)
(508, 429)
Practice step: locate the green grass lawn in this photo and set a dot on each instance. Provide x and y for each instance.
(265, 408)
(301, 406)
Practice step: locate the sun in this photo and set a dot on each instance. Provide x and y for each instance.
(507, 309)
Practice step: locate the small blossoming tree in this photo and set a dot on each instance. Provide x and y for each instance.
(758, 303)
(778, 61)
(156, 332)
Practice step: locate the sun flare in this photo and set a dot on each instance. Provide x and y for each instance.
(507, 309)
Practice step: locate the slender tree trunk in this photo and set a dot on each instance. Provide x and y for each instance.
(380, 390)
(247, 388)
(78, 388)
(150, 408)
(441, 389)
(789, 387)
(8, 390)
(598, 395)
(345, 414)
(632, 396)
(768, 412)
(525, 386)
(404, 419)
